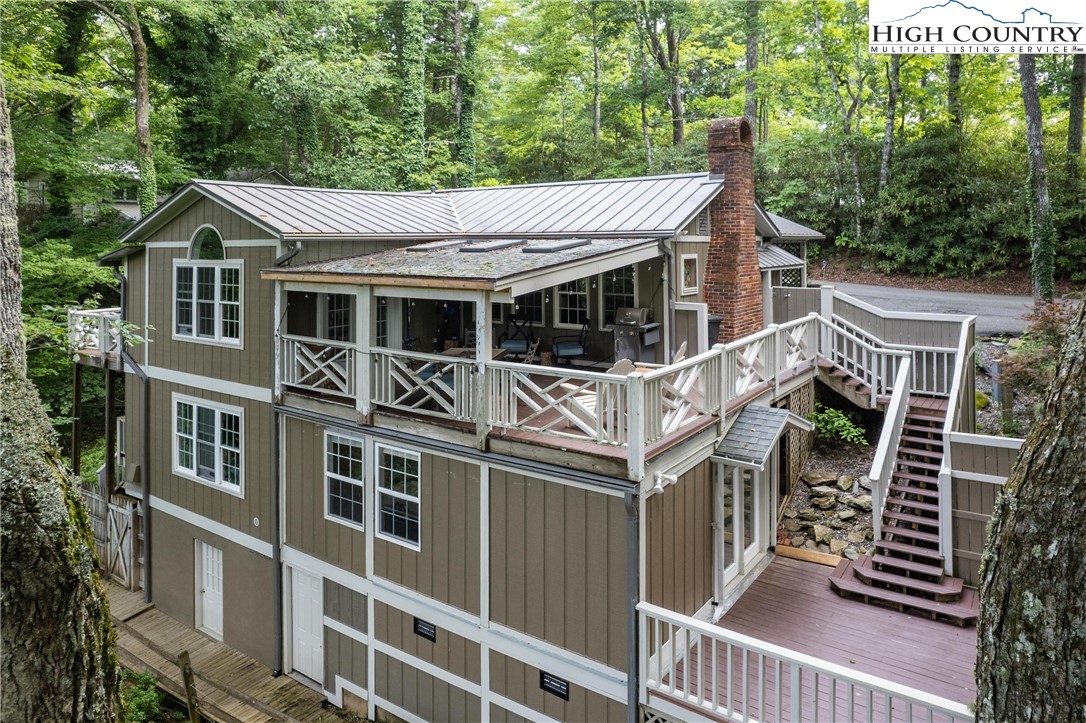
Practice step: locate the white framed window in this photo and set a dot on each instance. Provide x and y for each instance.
(207, 292)
(344, 480)
(399, 498)
(530, 307)
(571, 304)
(207, 443)
(688, 274)
(338, 317)
(381, 304)
(618, 289)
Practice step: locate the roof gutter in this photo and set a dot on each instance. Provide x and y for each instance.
(295, 248)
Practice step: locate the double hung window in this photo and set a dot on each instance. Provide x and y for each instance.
(398, 496)
(207, 443)
(345, 480)
(571, 308)
(207, 291)
(617, 291)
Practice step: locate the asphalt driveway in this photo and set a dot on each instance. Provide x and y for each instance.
(996, 314)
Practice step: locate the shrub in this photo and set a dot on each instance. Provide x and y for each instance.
(1031, 362)
(141, 698)
(835, 424)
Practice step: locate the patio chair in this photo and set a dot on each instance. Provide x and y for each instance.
(571, 346)
(529, 353)
(680, 354)
(517, 336)
(582, 403)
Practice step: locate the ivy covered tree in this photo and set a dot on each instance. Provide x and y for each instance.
(413, 95)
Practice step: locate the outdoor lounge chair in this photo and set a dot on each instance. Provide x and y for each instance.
(571, 346)
(517, 336)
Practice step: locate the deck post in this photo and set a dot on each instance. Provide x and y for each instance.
(482, 356)
(363, 344)
(635, 431)
(111, 434)
(77, 414)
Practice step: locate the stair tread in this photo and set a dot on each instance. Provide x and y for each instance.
(924, 417)
(922, 440)
(905, 548)
(910, 518)
(912, 504)
(923, 428)
(911, 534)
(913, 477)
(916, 452)
(910, 565)
(963, 611)
(949, 585)
(921, 465)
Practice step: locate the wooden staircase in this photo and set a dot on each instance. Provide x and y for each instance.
(906, 570)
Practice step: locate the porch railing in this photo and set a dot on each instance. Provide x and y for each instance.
(94, 330)
(862, 356)
(959, 395)
(319, 365)
(429, 384)
(932, 367)
(721, 673)
(682, 393)
(882, 466)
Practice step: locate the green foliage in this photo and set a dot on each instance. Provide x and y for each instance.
(140, 697)
(1031, 361)
(981, 400)
(834, 424)
(413, 97)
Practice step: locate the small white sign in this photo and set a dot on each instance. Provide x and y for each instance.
(977, 27)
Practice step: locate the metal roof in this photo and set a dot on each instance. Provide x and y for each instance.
(486, 264)
(657, 206)
(771, 256)
(790, 230)
(752, 436)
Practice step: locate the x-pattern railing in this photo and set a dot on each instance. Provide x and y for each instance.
(429, 384)
(93, 330)
(320, 365)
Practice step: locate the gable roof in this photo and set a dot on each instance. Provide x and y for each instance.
(792, 231)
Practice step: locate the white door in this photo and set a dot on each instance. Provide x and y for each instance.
(209, 589)
(307, 618)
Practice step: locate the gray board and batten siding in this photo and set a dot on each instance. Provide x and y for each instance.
(343, 655)
(424, 695)
(679, 542)
(558, 565)
(978, 466)
(450, 652)
(519, 682)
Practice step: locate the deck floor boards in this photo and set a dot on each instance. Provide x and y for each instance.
(231, 686)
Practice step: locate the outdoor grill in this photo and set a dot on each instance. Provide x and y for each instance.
(635, 336)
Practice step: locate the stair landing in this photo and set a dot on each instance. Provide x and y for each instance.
(845, 580)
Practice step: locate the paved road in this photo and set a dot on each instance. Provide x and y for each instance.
(995, 313)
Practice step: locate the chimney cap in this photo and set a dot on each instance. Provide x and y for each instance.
(730, 133)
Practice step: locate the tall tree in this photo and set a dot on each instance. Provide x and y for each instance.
(467, 78)
(665, 30)
(752, 29)
(1042, 234)
(70, 47)
(954, 89)
(1031, 634)
(413, 97)
(1074, 118)
(59, 661)
(893, 90)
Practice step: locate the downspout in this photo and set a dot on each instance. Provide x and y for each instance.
(145, 442)
(277, 505)
(669, 263)
(633, 586)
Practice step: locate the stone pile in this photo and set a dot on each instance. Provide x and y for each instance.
(829, 513)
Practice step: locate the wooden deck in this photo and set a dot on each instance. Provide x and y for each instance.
(791, 605)
(231, 687)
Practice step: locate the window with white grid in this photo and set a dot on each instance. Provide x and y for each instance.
(618, 289)
(339, 317)
(571, 304)
(399, 498)
(381, 303)
(207, 443)
(207, 300)
(345, 480)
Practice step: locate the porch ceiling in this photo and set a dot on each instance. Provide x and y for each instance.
(517, 266)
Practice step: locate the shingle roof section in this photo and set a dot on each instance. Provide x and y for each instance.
(794, 231)
(626, 206)
(445, 261)
(753, 434)
(771, 256)
(294, 211)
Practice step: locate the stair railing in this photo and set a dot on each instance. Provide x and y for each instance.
(865, 358)
(964, 358)
(882, 467)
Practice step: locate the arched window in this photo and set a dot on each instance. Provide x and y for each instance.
(207, 291)
(207, 245)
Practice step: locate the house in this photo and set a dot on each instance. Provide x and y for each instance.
(342, 455)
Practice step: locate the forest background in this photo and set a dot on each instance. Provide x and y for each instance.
(917, 163)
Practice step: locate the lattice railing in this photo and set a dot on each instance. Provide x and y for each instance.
(429, 384)
(680, 394)
(93, 330)
(319, 365)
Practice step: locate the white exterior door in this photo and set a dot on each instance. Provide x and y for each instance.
(307, 618)
(209, 589)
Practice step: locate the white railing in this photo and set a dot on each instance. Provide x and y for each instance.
(717, 672)
(94, 330)
(933, 366)
(864, 358)
(683, 393)
(755, 362)
(882, 466)
(431, 384)
(319, 365)
(568, 403)
(957, 392)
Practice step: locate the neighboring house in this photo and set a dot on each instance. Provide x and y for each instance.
(359, 473)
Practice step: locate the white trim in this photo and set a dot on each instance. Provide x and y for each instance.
(585, 268)
(518, 709)
(251, 243)
(556, 306)
(146, 311)
(419, 292)
(429, 668)
(378, 490)
(168, 244)
(335, 696)
(985, 440)
(196, 265)
(211, 384)
(361, 442)
(211, 526)
(346, 630)
(196, 403)
(396, 710)
(685, 290)
(992, 479)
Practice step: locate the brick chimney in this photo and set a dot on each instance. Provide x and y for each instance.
(733, 287)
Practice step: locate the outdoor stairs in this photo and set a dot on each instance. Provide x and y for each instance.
(849, 386)
(906, 569)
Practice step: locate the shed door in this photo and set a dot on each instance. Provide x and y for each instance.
(209, 589)
(307, 612)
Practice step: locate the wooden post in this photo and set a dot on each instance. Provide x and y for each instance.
(482, 357)
(77, 413)
(190, 686)
(111, 434)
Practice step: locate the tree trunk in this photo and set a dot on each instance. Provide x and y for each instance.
(59, 661)
(596, 70)
(750, 105)
(465, 123)
(1031, 635)
(953, 89)
(645, 137)
(1074, 118)
(74, 18)
(413, 98)
(1042, 247)
(893, 89)
(678, 121)
(145, 154)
